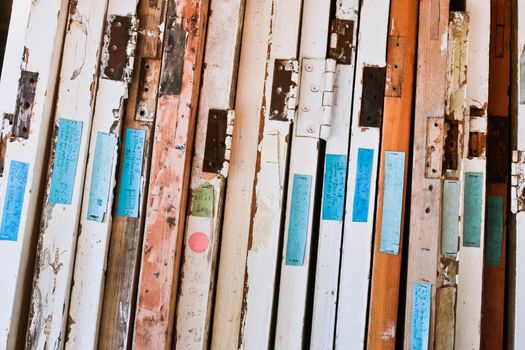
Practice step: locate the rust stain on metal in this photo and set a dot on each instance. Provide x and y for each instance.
(24, 104)
(283, 89)
(148, 89)
(477, 144)
(342, 41)
(115, 51)
(498, 150)
(394, 66)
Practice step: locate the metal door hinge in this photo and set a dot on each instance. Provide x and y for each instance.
(517, 182)
(218, 141)
(119, 48)
(284, 90)
(316, 97)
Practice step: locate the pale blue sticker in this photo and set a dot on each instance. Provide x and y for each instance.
(394, 181)
(472, 212)
(494, 229)
(334, 187)
(450, 218)
(14, 200)
(129, 190)
(65, 161)
(101, 176)
(298, 225)
(365, 158)
(421, 298)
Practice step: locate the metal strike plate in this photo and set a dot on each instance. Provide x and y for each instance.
(115, 51)
(517, 182)
(342, 41)
(477, 145)
(498, 150)
(284, 90)
(394, 65)
(316, 96)
(372, 97)
(173, 60)
(218, 141)
(434, 148)
(148, 89)
(24, 105)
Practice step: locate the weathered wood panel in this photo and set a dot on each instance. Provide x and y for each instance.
(425, 219)
(29, 76)
(209, 174)
(119, 300)
(170, 169)
(395, 144)
(65, 176)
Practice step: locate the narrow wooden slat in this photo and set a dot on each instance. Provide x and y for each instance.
(170, 170)
(498, 156)
(65, 176)
(209, 175)
(36, 29)
(367, 114)
(343, 47)
(126, 232)
(97, 199)
(395, 151)
(426, 189)
(472, 228)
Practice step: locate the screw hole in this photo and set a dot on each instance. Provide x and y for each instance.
(427, 210)
(27, 105)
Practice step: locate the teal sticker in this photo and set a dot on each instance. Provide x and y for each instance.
(101, 176)
(394, 180)
(421, 302)
(472, 212)
(129, 190)
(334, 190)
(494, 229)
(65, 161)
(450, 218)
(14, 200)
(298, 225)
(363, 179)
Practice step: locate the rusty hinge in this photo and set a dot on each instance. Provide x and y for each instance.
(24, 104)
(218, 141)
(342, 41)
(316, 97)
(119, 48)
(284, 90)
(517, 182)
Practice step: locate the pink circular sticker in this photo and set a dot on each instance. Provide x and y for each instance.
(199, 242)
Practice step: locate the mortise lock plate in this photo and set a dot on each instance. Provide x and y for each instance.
(316, 97)
(372, 98)
(517, 182)
(119, 47)
(218, 141)
(24, 104)
(284, 89)
(342, 41)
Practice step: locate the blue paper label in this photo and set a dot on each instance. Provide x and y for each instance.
(365, 158)
(334, 187)
(101, 176)
(472, 212)
(298, 225)
(14, 200)
(65, 161)
(129, 190)
(450, 218)
(494, 229)
(421, 298)
(394, 181)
